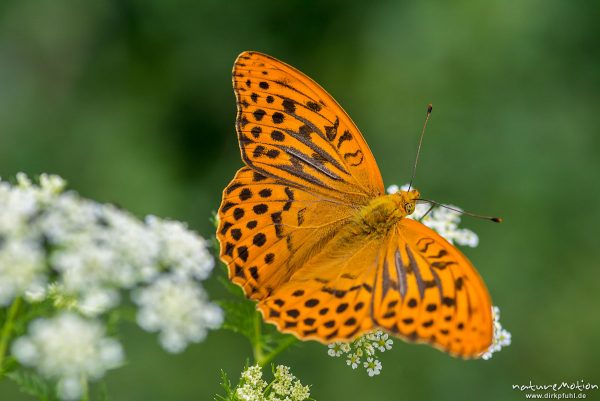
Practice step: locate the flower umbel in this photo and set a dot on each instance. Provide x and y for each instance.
(94, 251)
(70, 349)
(501, 337)
(178, 309)
(366, 346)
(74, 259)
(284, 387)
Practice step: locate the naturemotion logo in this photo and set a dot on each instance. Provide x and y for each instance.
(562, 390)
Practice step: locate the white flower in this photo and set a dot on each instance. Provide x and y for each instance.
(373, 366)
(384, 342)
(96, 301)
(253, 375)
(284, 387)
(283, 380)
(98, 245)
(69, 349)
(249, 393)
(374, 335)
(18, 205)
(36, 293)
(392, 189)
(253, 385)
(22, 268)
(353, 360)
(367, 345)
(502, 337)
(179, 309)
(335, 349)
(91, 250)
(182, 248)
(50, 185)
(299, 392)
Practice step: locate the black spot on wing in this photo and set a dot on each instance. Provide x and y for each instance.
(289, 106)
(346, 136)
(355, 158)
(259, 114)
(277, 117)
(331, 131)
(313, 106)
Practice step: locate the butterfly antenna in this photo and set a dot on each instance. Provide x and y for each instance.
(429, 108)
(479, 216)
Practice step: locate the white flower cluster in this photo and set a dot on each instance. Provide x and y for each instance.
(442, 220)
(178, 309)
(501, 337)
(81, 256)
(284, 387)
(363, 347)
(22, 257)
(70, 349)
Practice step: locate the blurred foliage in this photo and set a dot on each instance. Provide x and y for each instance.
(131, 102)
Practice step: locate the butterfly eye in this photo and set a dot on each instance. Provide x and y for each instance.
(409, 207)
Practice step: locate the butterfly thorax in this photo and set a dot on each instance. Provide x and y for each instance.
(384, 212)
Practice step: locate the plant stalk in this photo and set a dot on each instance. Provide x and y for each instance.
(280, 348)
(257, 346)
(6, 332)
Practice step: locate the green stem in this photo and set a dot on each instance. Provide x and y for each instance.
(280, 348)
(7, 331)
(257, 346)
(84, 383)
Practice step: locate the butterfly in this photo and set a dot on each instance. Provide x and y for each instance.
(307, 230)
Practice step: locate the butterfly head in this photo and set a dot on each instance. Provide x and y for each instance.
(408, 200)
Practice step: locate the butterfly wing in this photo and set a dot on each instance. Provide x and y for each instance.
(291, 129)
(411, 283)
(330, 298)
(428, 291)
(268, 229)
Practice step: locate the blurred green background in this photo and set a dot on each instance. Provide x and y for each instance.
(131, 102)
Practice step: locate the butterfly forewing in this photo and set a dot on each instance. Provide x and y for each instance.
(267, 229)
(289, 128)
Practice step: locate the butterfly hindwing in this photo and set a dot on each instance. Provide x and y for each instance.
(329, 299)
(291, 129)
(428, 291)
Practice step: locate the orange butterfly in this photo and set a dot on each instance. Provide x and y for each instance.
(307, 229)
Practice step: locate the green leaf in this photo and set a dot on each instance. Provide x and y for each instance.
(32, 384)
(232, 288)
(229, 392)
(239, 317)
